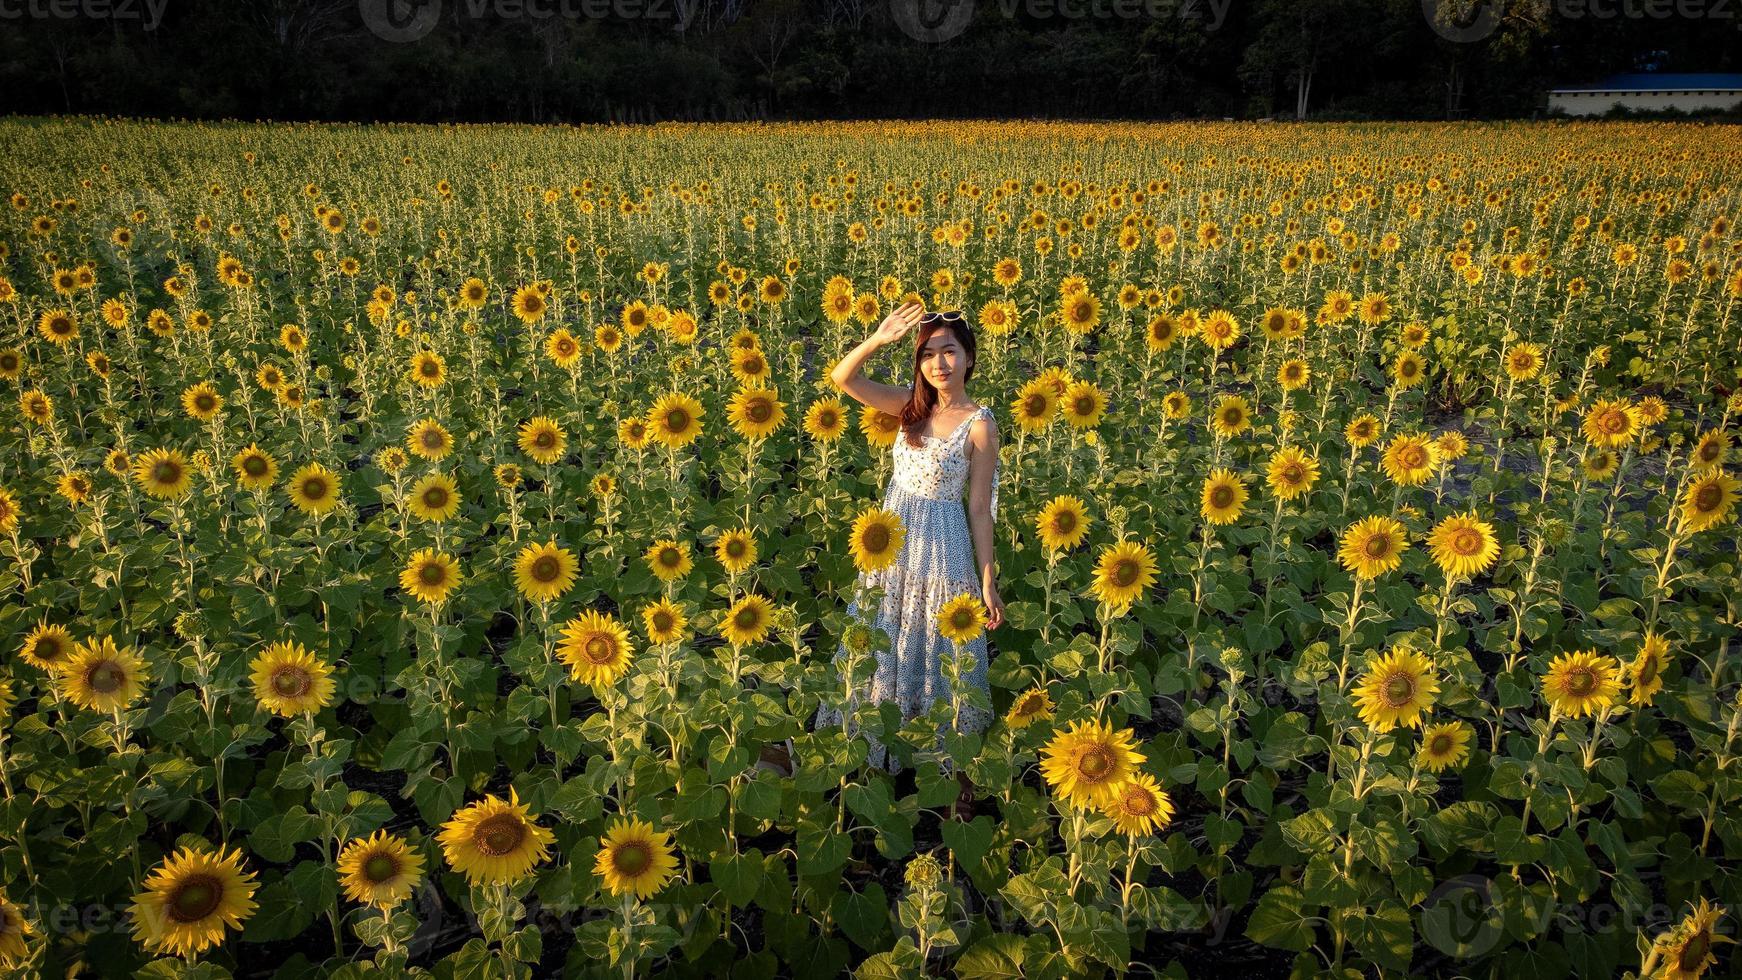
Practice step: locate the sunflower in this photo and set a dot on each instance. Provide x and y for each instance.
(748, 621)
(1612, 423)
(1686, 951)
(1292, 473)
(255, 468)
(543, 440)
(15, 931)
(314, 489)
(1080, 311)
(1122, 573)
(1035, 406)
(1032, 705)
(596, 648)
(58, 326)
(543, 572)
(1601, 464)
(1219, 330)
(289, 680)
(474, 293)
(634, 859)
(1450, 446)
(435, 497)
(1396, 689)
(1161, 332)
(48, 648)
(190, 899)
(530, 304)
(1089, 763)
(163, 473)
(494, 842)
(202, 401)
(1409, 460)
(668, 559)
(8, 511)
(381, 870)
(962, 619)
(1232, 416)
(1176, 405)
(562, 348)
(1293, 375)
(1708, 500)
(391, 460)
(1062, 523)
(1408, 370)
(1444, 745)
(430, 576)
(1083, 405)
(74, 487)
(1139, 807)
(664, 620)
(877, 539)
(1463, 546)
(1710, 451)
(101, 677)
(1581, 683)
(736, 550)
(633, 432)
(1373, 546)
(429, 439)
(825, 420)
(755, 412)
(1645, 673)
(1224, 497)
(1362, 431)
(749, 366)
(428, 369)
(675, 420)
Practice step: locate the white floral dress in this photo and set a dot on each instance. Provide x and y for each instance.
(936, 564)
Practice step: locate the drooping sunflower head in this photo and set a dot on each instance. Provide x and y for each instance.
(314, 489)
(1292, 473)
(1032, 705)
(1708, 500)
(1463, 545)
(675, 420)
(1090, 762)
(380, 870)
(825, 420)
(102, 677)
(1224, 497)
(8, 511)
(48, 647)
(494, 841)
(1645, 673)
(755, 412)
(665, 621)
(1122, 573)
(748, 621)
(289, 680)
(543, 440)
(191, 899)
(1373, 546)
(430, 576)
(877, 539)
(1139, 807)
(634, 859)
(163, 473)
(962, 618)
(1686, 951)
(596, 648)
(544, 572)
(1445, 745)
(15, 931)
(255, 468)
(1062, 523)
(736, 550)
(1581, 683)
(1232, 416)
(1396, 689)
(434, 497)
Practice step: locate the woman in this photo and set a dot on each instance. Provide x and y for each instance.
(947, 441)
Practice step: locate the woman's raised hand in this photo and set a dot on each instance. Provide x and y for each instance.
(898, 322)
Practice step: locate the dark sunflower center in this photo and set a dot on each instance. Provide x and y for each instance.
(1648, 670)
(1085, 405)
(195, 898)
(1580, 683)
(291, 682)
(734, 548)
(1411, 457)
(1441, 745)
(435, 497)
(599, 649)
(1399, 690)
(545, 439)
(1694, 952)
(546, 568)
(1034, 405)
(677, 420)
(1293, 473)
(1138, 802)
(1064, 522)
(747, 619)
(314, 488)
(1467, 541)
(166, 472)
(1708, 498)
(1125, 572)
(106, 678)
(432, 439)
(759, 411)
(1095, 764)
(432, 574)
(254, 466)
(662, 622)
(875, 539)
(429, 368)
(632, 858)
(1222, 497)
(1378, 546)
(499, 835)
(828, 419)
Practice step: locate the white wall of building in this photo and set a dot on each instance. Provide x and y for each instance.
(1597, 103)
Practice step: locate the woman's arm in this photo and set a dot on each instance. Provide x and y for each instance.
(982, 460)
(888, 399)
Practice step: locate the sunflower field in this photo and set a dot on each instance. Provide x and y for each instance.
(410, 538)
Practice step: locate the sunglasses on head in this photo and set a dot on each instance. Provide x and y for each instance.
(949, 316)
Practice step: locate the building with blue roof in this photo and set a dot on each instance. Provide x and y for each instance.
(1651, 92)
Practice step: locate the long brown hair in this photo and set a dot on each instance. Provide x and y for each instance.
(924, 400)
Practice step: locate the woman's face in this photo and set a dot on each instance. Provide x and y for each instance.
(943, 361)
